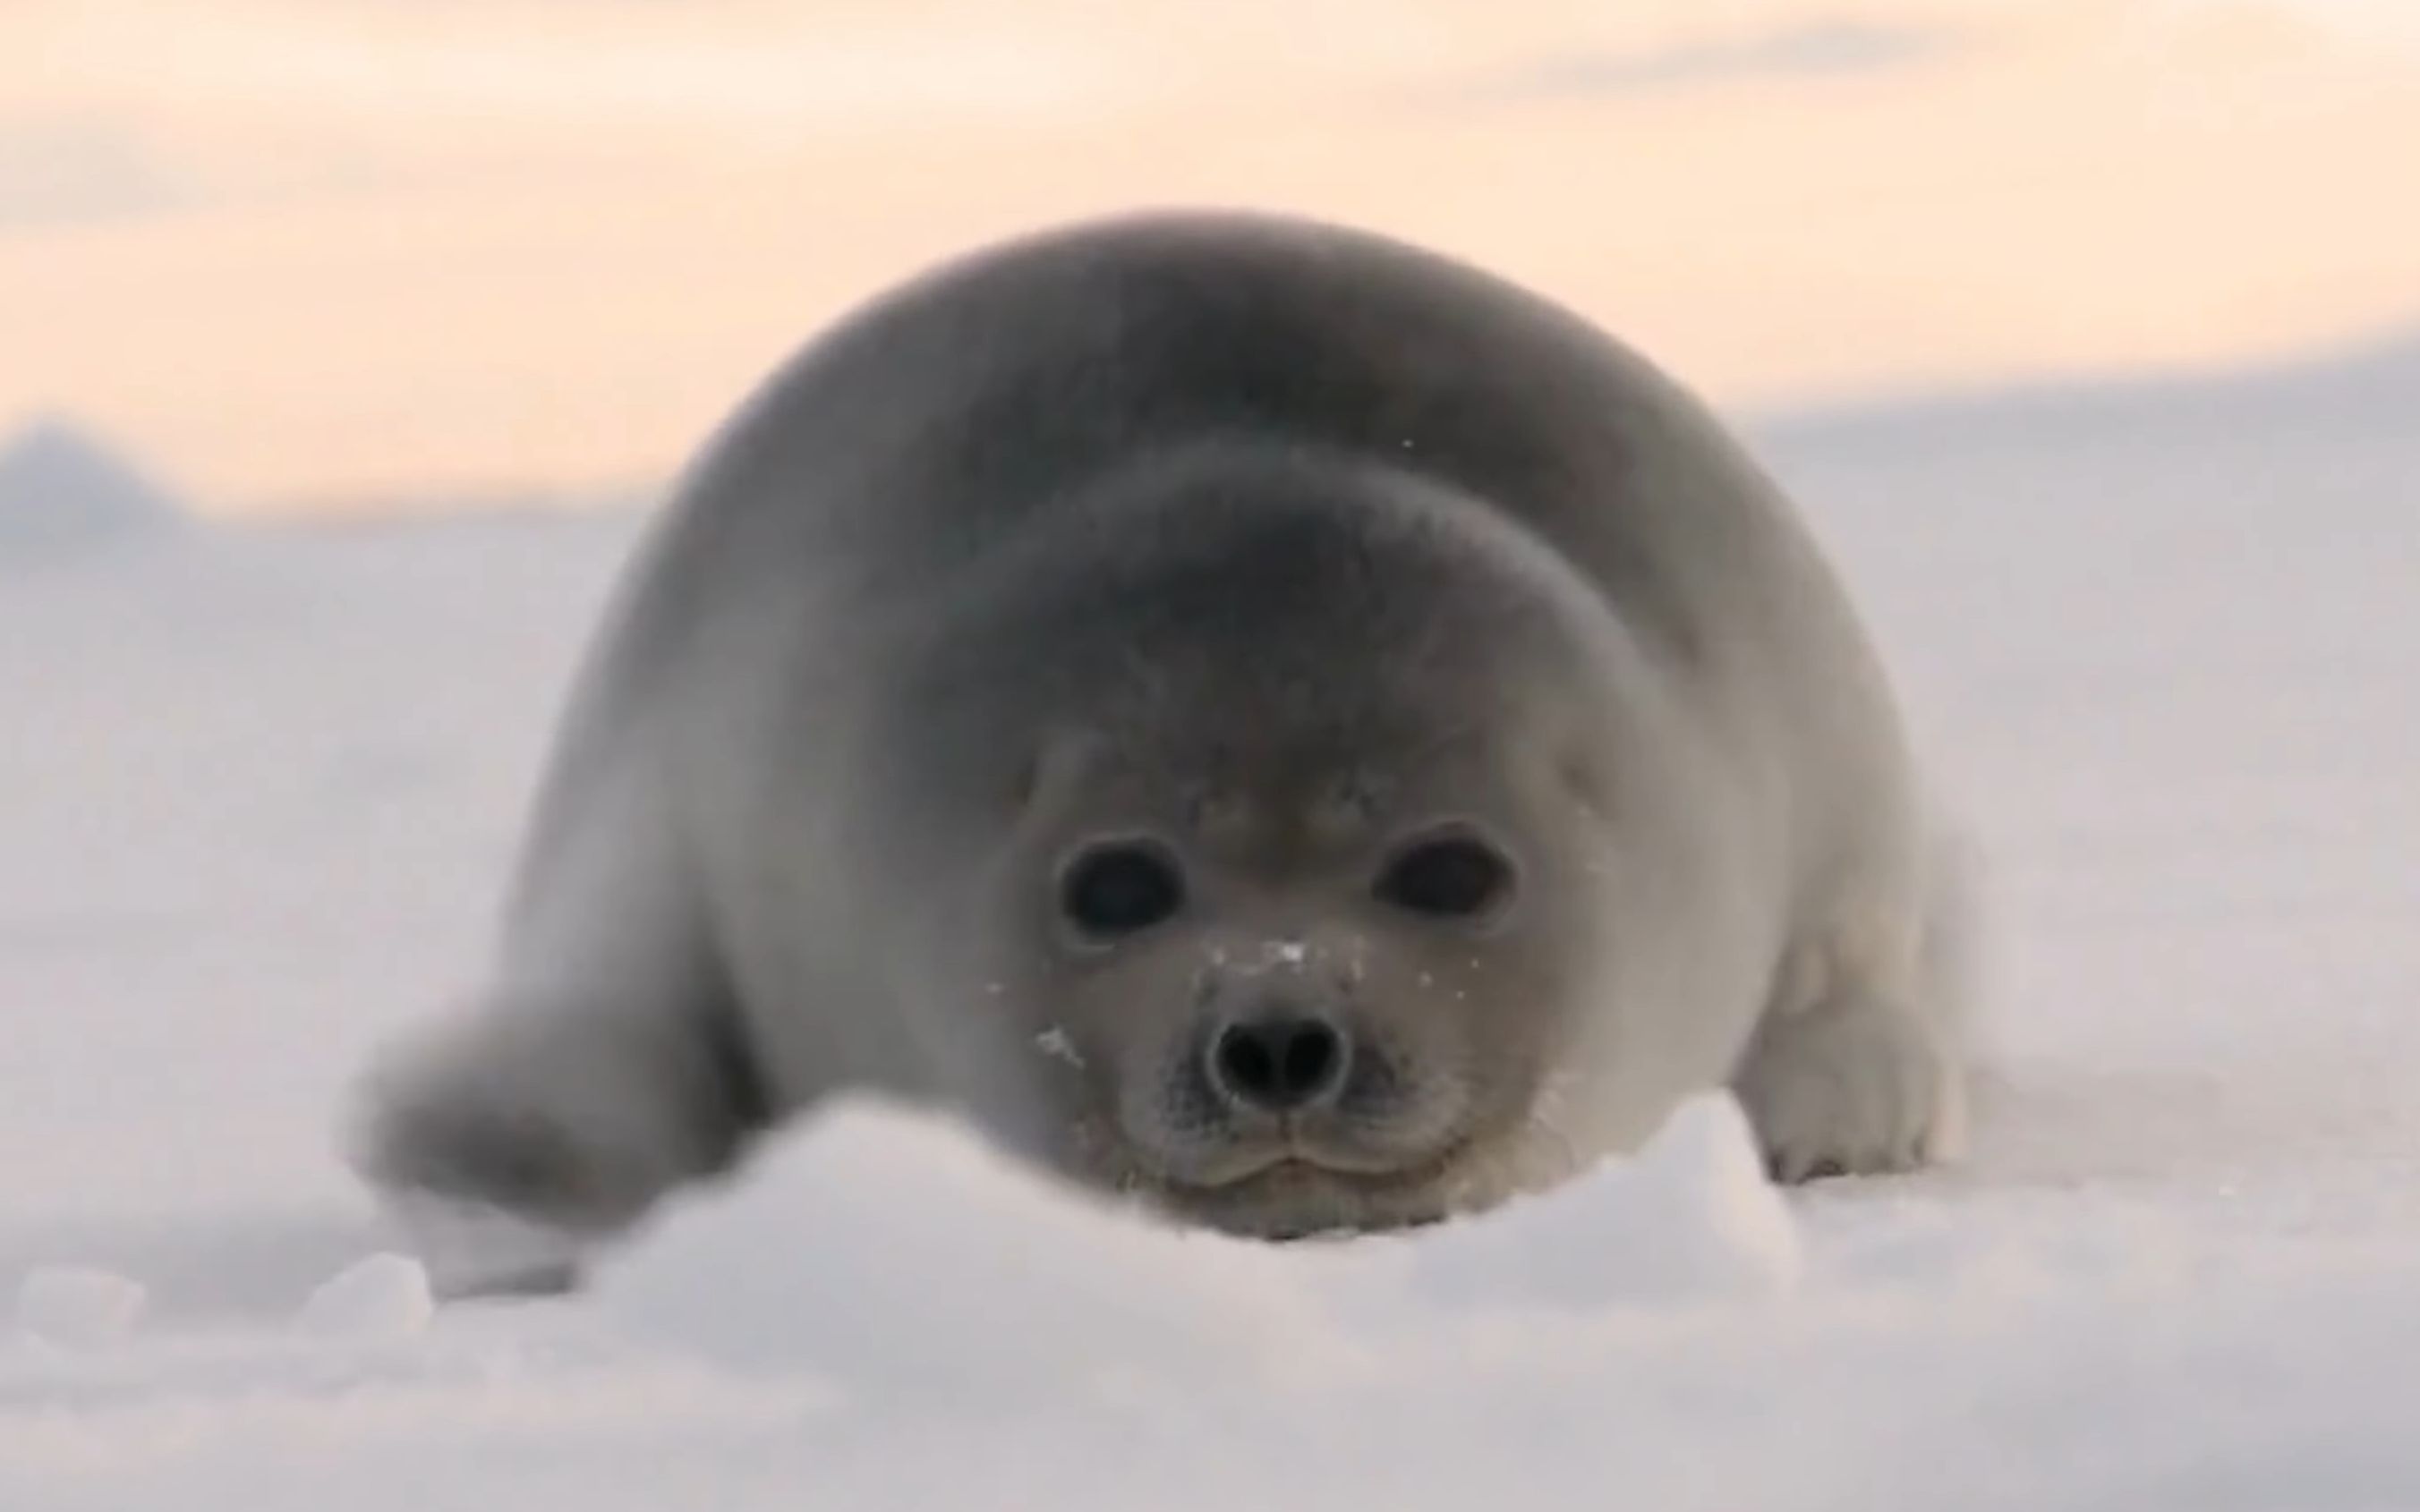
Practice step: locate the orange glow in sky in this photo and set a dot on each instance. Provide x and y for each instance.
(318, 252)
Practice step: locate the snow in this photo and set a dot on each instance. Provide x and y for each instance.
(1690, 1217)
(256, 794)
(385, 1296)
(847, 1255)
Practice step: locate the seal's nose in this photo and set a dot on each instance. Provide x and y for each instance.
(1281, 1061)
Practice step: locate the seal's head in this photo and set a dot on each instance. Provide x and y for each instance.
(1297, 992)
(1294, 911)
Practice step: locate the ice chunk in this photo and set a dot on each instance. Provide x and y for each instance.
(79, 1307)
(383, 1297)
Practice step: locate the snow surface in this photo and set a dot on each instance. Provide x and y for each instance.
(902, 1309)
(256, 797)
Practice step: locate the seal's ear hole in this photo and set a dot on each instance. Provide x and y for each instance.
(1446, 877)
(1119, 888)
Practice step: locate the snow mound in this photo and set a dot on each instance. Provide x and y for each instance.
(61, 490)
(1692, 1217)
(897, 1253)
(898, 1256)
(78, 1307)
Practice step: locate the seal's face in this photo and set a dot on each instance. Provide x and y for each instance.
(1299, 988)
(1271, 809)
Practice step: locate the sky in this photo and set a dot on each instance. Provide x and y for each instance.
(308, 254)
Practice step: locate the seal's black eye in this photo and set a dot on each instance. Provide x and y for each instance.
(1119, 889)
(1452, 877)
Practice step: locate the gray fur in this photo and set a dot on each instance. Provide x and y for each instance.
(1274, 543)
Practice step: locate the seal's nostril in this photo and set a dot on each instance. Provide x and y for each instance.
(1307, 1057)
(1250, 1071)
(1279, 1063)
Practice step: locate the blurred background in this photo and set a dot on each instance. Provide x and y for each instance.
(313, 256)
(344, 342)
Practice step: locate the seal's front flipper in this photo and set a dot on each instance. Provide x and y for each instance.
(473, 1253)
(1852, 1085)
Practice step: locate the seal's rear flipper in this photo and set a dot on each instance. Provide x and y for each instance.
(574, 1113)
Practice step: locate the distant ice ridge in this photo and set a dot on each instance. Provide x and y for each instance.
(63, 491)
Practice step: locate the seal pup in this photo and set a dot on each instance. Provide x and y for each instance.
(1254, 714)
